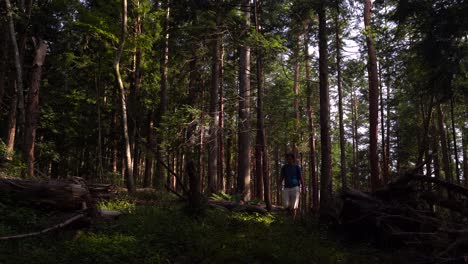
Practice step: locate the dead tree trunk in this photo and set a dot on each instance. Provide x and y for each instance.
(33, 105)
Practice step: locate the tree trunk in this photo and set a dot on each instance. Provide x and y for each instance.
(340, 98)
(382, 128)
(221, 172)
(443, 144)
(243, 180)
(454, 137)
(387, 148)
(18, 67)
(149, 145)
(194, 177)
(296, 96)
(11, 134)
(4, 58)
(164, 67)
(123, 97)
(326, 166)
(229, 179)
(465, 154)
(373, 99)
(354, 116)
(435, 150)
(214, 103)
(313, 183)
(33, 106)
(263, 171)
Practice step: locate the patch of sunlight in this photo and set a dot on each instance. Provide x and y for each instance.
(265, 219)
(124, 206)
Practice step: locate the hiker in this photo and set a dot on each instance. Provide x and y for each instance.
(292, 175)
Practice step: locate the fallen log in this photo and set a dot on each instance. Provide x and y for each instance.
(416, 211)
(70, 195)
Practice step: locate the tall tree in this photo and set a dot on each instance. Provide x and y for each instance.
(313, 182)
(325, 139)
(163, 69)
(340, 97)
(373, 98)
(262, 165)
(17, 98)
(214, 103)
(123, 98)
(243, 182)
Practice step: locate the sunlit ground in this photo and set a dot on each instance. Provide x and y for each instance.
(163, 232)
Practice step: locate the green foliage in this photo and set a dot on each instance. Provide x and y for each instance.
(166, 234)
(122, 205)
(3, 148)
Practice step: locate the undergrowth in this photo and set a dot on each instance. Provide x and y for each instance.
(167, 234)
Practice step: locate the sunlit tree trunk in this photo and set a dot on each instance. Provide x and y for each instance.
(373, 99)
(243, 182)
(454, 138)
(123, 97)
(465, 154)
(313, 180)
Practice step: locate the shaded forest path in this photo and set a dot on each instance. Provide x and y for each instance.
(157, 229)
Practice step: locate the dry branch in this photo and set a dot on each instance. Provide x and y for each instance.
(57, 226)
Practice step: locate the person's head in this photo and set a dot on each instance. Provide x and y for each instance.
(290, 158)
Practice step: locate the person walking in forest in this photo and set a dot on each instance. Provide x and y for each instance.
(292, 175)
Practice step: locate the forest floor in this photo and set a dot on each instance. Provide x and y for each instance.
(156, 228)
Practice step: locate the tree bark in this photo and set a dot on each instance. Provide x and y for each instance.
(454, 138)
(340, 98)
(465, 154)
(149, 157)
(243, 180)
(213, 147)
(222, 174)
(354, 116)
(382, 128)
(296, 95)
(4, 59)
(373, 99)
(387, 141)
(33, 106)
(123, 99)
(313, 183)
(164, 67)
(326, 165)
(18, 67)
(443, 144)
(263, 171)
